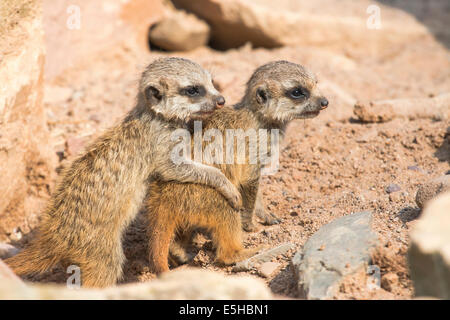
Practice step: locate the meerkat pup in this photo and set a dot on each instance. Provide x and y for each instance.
(103, 189)
(276, 93)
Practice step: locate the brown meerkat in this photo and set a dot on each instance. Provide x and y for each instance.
(276, 93)
(103, 189)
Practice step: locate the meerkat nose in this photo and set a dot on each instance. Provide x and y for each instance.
(324, 103)
(220, 101)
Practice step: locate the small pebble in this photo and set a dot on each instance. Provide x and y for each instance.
(266, 233)
(16, 235)
(393, 188)
(395, 197)
(389, 281)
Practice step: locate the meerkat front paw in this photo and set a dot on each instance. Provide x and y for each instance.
(267, 218)
(233, 196)
(238, 256)
(249, 226)
(177, 254)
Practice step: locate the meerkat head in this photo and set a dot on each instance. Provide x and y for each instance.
(282, 91)
(179, 89)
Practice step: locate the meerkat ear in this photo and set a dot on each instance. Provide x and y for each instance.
(262, 95)
(152, 94)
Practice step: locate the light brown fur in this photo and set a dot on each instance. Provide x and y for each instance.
(103, 189)
(174, 207)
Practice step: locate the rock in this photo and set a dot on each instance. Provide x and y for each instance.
(287, 23)
(7, 276)
(429, 252)
(339, 248)
(72, 32)
(7, 250)
(417, 169)
(373, 113)
(268, 268)
(389, 281)
(435, 108)
(181, 284)
(395, 197)
(26, 157)
(393, 188)
(265, 256)
(431, 189)
(179, 31)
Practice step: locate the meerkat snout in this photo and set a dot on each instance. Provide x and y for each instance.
(220, 101)
(324, 103)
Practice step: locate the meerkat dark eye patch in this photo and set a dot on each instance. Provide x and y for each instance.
(298, 93)
(194, 91)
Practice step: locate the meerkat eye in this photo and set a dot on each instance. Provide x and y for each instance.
(299, 92)
(194, 91)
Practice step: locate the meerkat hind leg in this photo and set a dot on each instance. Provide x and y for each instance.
(259, 211)
(249, 192)
(105, 271)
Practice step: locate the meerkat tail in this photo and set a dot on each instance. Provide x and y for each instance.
(32, 260)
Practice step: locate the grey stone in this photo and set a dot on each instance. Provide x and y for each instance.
(265, 256)
(393, 188)
(337, 249)
(416, 168)
(7, 251)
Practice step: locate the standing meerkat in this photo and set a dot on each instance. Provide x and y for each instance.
(276, 93)
(103, 189)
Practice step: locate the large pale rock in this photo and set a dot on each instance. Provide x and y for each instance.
(77, 30)
(326, 23)
(436, 108)
(429, 253)
(179, 31)
(7, 275)
(187, 284)
(25, 155)
(431, 189)
(339, 248)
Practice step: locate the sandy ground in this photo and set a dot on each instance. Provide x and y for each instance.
(328, 168)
